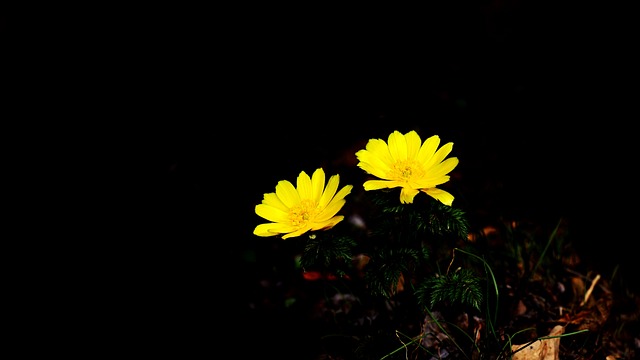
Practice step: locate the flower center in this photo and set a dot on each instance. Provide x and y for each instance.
(303, 212)
(406, 170)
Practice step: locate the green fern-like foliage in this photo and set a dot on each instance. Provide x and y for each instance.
(446, 220)
(385, 268)
(462, 287)
(328, 253)
(403, 237)
(425, 215)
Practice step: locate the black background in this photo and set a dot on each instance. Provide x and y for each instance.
(196, 113)
(533, 96)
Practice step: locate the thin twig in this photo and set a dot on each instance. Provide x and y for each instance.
(588, 294)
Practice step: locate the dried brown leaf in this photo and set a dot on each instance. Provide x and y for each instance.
(545, 349)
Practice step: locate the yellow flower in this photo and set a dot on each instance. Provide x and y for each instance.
(408, 163)
(310, 206)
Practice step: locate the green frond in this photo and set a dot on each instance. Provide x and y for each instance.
(387, 200)
(462, 287)
(443, 220)
(384, 270)
(328, 253)
(426, 254)
(424, 216)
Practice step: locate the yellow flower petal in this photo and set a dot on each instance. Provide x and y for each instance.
(444, 167)
(439, 155)
(271, 213)
(346, 190)
(272, 199)
(397, 146)
(297, 232)
(269, 229)
(317, 184)
(407, 195)
(287, 193)
(413, 144)
(428, 149)
(373, 163)
(330, 210)
(379, 149)
(327, 224)
(335, 205)
(440, 195)
(380, 184)
(305, 189)
(329, 191)
(430, 182)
